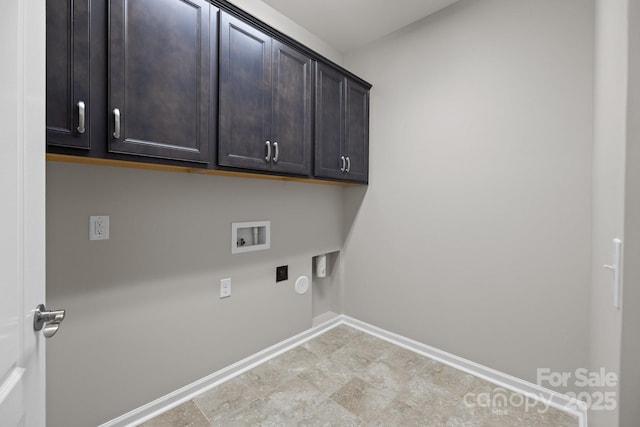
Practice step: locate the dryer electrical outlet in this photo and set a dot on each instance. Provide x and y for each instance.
(282, 273)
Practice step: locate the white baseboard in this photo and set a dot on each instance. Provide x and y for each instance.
(188, 392)
(324, 317)
(534, 391)
(178, 397)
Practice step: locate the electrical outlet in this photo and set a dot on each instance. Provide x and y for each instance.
(98, 228)
(282, 273)
(225, 288)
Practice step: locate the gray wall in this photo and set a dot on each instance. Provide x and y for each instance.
(630, 352)
(144, 317)
(474, 234)
(610, 105)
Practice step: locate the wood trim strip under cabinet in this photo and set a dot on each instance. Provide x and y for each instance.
(64, 158)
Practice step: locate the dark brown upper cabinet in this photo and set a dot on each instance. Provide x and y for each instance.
(198, 84)
(342, 126)
(162, 57)
(292, 110)
(68, 102)
(357, 132)
(265, 102)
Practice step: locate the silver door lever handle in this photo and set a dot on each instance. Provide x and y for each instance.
(47, 320)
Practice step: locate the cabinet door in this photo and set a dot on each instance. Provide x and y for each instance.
(159, 72)
(357, 132)
(68, 101)
(245, 95)
(330, 127)
(292, 113)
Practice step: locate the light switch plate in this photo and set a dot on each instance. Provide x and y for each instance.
(99, 227)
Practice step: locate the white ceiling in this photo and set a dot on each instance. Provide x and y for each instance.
(349, 24)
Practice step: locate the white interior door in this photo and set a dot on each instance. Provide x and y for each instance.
(22, 211)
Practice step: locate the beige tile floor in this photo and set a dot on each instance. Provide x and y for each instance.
(345, 377)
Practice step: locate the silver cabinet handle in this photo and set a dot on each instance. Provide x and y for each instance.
(344, 165)
(47, 321)
(268, 156)
(81, 118)
(275, 147)
(348, 164)
(116, 123)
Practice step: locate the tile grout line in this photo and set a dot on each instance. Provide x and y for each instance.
(199, 409)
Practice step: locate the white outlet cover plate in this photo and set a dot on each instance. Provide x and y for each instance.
(225, 288)
(99, 227)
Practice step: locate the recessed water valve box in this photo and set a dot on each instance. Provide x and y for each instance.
(250, 236)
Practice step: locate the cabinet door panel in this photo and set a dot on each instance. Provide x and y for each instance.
(160, 77)
(330, 127)
(357, 132)
(67, 72)
(245, 95)
(292, 113)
